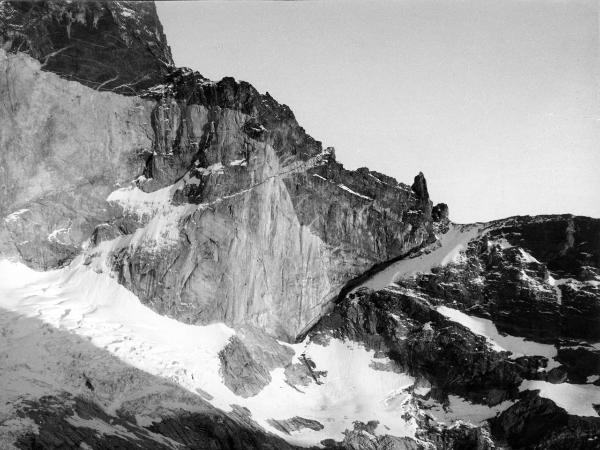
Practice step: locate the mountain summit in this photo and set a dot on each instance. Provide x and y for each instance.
(183, 266)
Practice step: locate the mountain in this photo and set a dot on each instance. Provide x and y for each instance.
(183, 266)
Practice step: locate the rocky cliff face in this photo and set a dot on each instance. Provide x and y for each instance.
(272, 225)
(235, 214)
(194, 229)
(64, 148)
(114, 46)
(508, 324)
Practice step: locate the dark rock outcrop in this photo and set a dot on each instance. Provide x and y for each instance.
(535, 277)
(405, 327)
(240, 372)
(537, 423)
(114, 46)
(74, 422)
(440, 213)
(296, 423)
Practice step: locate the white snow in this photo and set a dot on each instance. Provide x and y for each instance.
(238, 162)
(352, 390)
(216, 168)
(136, 201)
(573, 283)
(156, 209)
(461, 409)
(500, 342)
(347, 189)
(592, 379)
(576, 399)
(56, 235)
(344, 187)
(375, 178)
(555, 285)
(162, 230)
(422, 390)
(111, 317)
(94, 306)
(502, 243)
(13, 217)
(446, 250)
(527, 257)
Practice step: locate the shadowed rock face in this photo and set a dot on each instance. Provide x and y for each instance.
(406, 327)
(72, 394)
(537, 423)
(115, 46)
(533, 277)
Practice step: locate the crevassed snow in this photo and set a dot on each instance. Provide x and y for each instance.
(156, 208)
(352, 390)
(446, 250)
(576, 399)
(162, 230)
(96, 307)
(516, 345)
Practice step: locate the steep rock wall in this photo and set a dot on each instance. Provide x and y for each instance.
(256, 223)
(274, 226)
(115, 46)
(63, 149)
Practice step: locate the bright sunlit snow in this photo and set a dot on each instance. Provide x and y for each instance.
(576, 399)
(94, 306)
(446, 250)
(499, 342)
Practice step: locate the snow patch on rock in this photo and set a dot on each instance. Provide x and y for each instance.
(501, 342)
(576, 399)
(94, 306)
(446, 250)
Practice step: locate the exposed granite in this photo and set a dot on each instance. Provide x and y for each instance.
(116, 46)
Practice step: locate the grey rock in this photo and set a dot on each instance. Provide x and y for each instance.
(240, 372)
(295, 423)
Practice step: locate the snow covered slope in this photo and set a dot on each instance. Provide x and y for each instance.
(445, 250)
(95, 307)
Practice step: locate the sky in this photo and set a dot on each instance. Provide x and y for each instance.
(497, 103)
